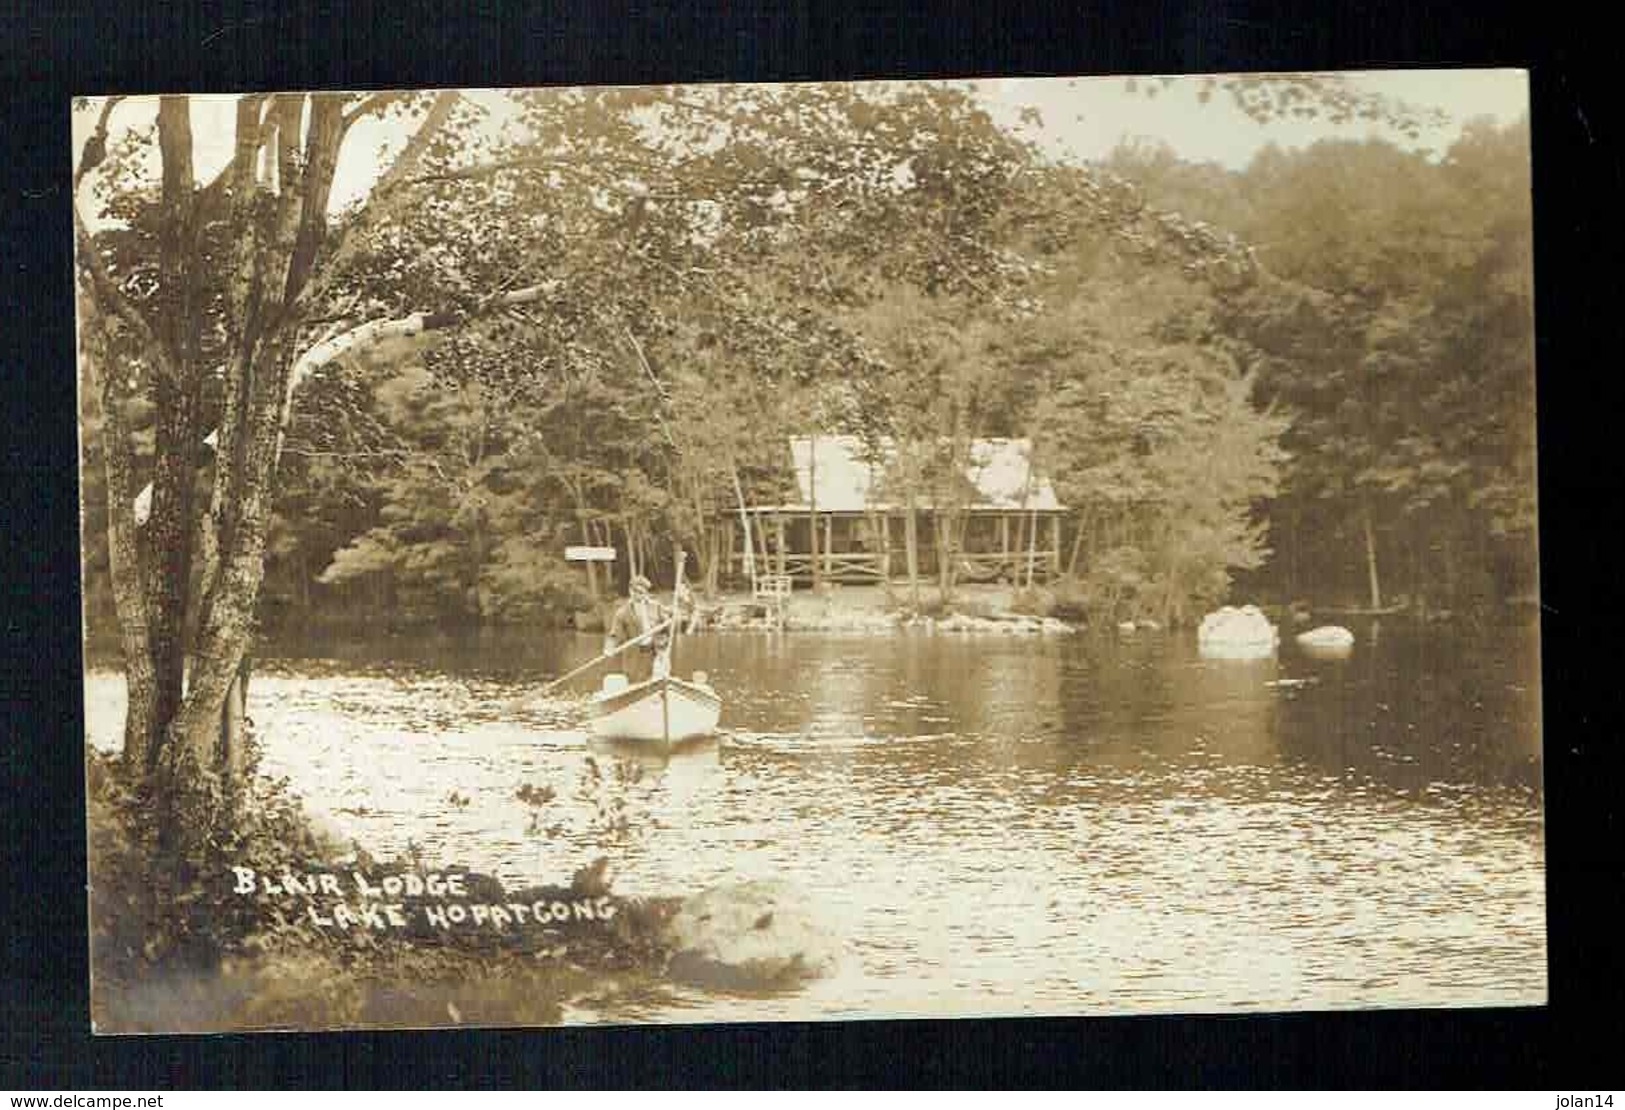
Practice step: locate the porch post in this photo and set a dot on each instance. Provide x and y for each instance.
(814, 566)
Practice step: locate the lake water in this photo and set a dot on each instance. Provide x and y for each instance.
(991, 826)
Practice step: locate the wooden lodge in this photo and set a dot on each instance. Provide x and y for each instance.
(1011, 523)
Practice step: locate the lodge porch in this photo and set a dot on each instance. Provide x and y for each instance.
(870, 546)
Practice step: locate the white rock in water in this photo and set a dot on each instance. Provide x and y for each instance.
(749, 936)
(1328, 639)
(1231, 633)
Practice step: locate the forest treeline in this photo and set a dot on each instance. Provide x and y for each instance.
(1310, 378)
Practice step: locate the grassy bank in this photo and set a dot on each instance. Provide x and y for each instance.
(179, 945)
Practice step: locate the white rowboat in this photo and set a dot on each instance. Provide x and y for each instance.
(659, 711)
(662, 710)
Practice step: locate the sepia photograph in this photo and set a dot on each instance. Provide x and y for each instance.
(715, 553)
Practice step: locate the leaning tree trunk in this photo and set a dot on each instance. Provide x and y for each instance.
(272, 283)
(124, 556)
(744, 523)
(1077, 546)
(1371, 560)
(224, 638)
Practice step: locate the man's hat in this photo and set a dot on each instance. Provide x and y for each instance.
(639, 582)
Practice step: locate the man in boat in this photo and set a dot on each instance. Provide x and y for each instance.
(635, 616)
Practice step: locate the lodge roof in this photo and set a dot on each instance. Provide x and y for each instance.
(999, 473)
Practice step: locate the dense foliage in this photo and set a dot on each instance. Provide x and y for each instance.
(1341, 410)
(1397, 334)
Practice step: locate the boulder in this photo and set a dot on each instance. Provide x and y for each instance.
(1237, 633)
(1328, 640)
(749, 936)
(329, 838)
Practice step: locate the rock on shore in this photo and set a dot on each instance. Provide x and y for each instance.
(1011, 625)
(749, 936)
(738, 618)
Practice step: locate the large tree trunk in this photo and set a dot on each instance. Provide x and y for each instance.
(233, 718)
(177, 728)
(229, 626)
(177, 398)
(124, 556)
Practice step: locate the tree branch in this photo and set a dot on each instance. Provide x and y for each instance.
(488, 169)
(250, 124)
(320, 164)
(95, 151)
(287, 120)
(378, 331)
(410, 156)
(660, 389)
(372, 105)
(112, 299)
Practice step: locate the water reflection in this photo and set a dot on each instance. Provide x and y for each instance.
(1446, 712)
(994, 825)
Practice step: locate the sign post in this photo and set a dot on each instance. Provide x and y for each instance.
(590, 554)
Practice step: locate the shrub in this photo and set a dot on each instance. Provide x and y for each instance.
(1034, 601)
(175, 948)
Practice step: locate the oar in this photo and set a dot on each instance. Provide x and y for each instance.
(589, 664)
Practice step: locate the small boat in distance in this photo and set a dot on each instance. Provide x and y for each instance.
(663, 709)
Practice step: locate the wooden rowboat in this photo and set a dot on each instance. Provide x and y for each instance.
(659, 711)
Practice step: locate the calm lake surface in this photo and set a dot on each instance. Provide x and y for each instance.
(990, 825)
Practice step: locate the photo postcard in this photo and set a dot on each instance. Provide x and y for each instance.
(800, 552)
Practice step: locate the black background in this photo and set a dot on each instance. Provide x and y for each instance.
(47, 56)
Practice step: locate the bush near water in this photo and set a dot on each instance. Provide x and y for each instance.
(176, 948)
